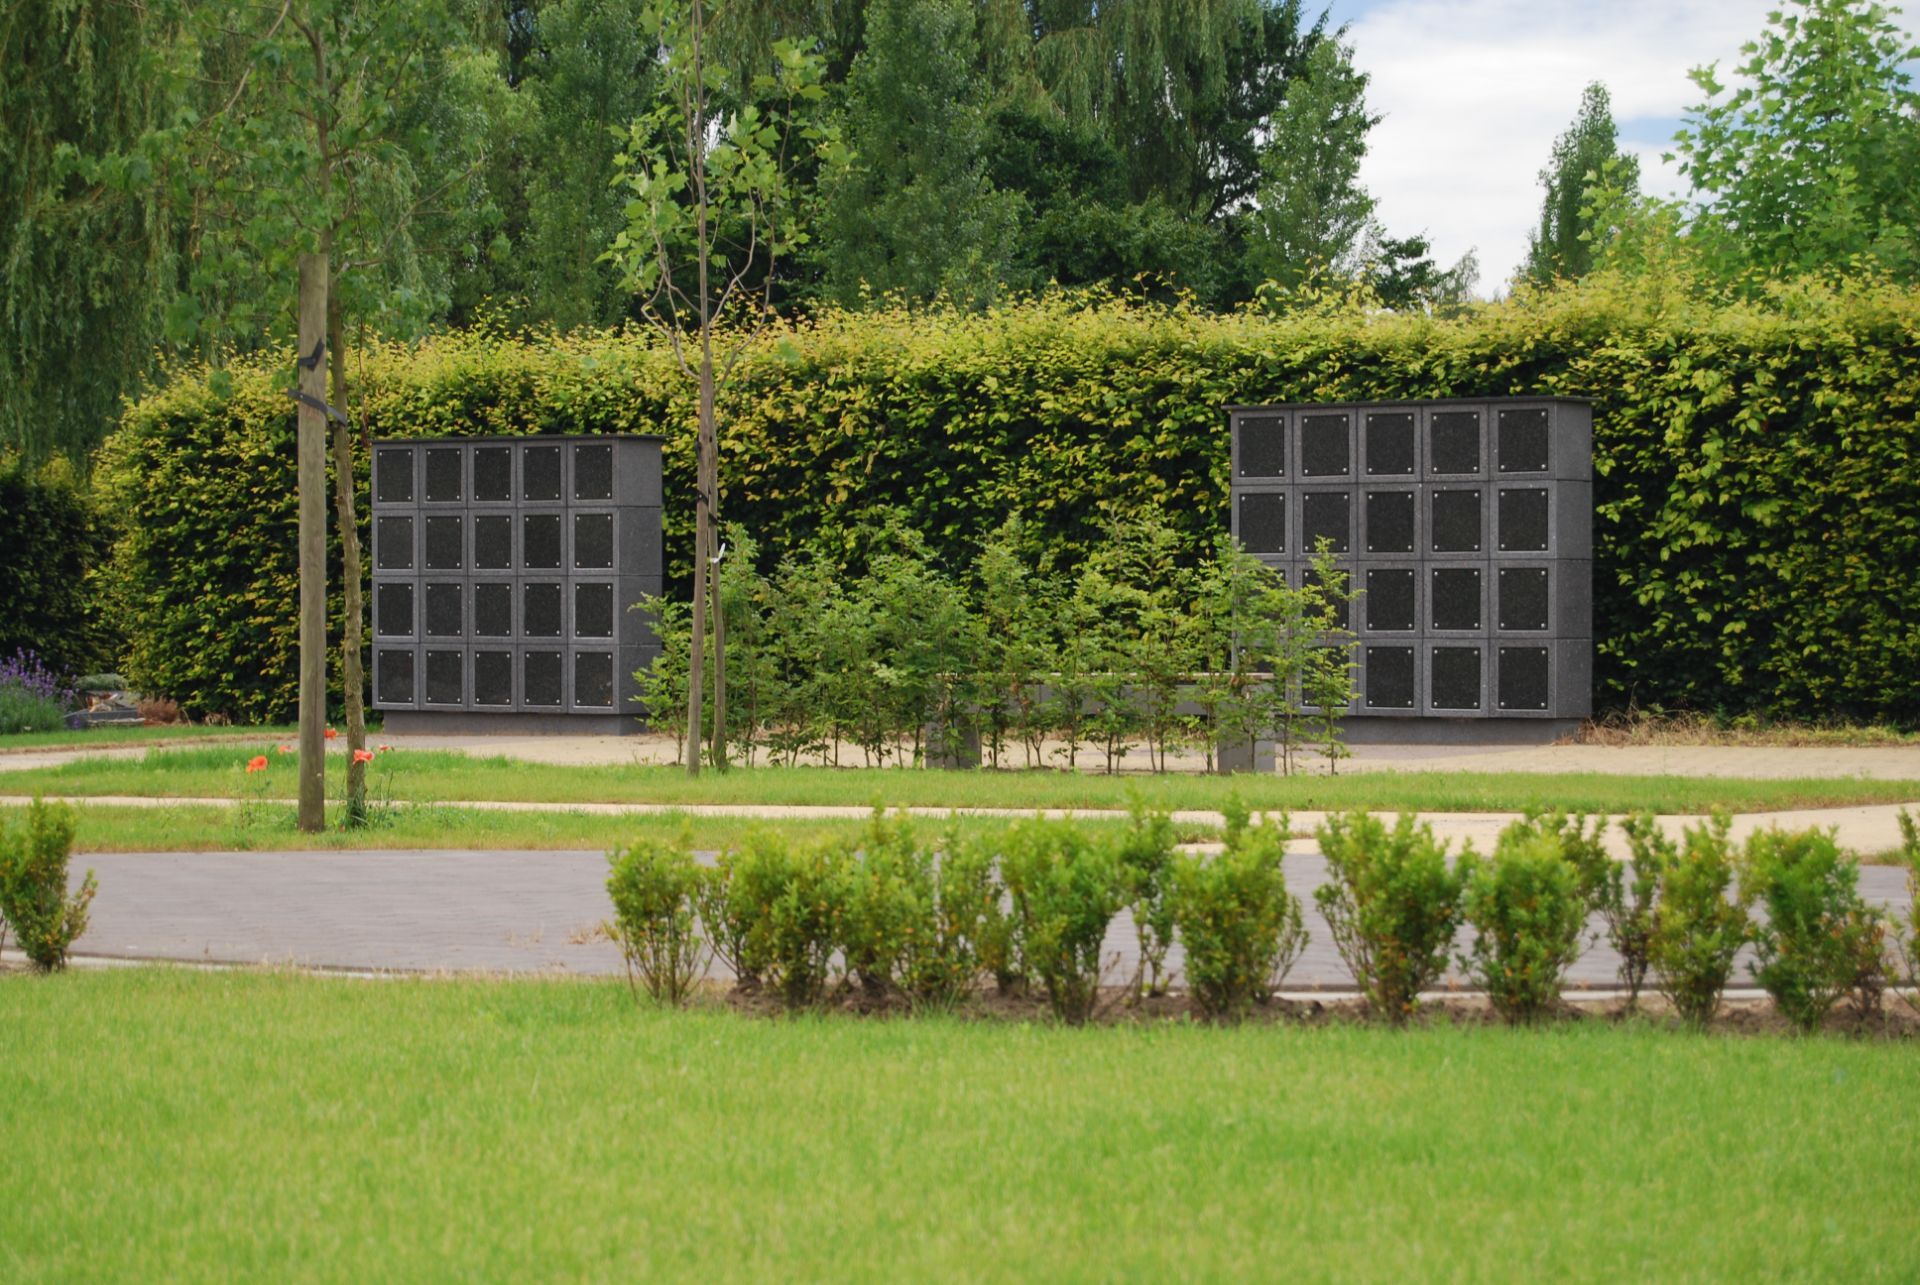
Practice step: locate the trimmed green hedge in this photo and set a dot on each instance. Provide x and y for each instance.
(1758, 524)
(54, 544)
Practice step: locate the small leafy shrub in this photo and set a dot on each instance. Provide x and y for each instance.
(731, 902)
(32, 698)
(46, 920)
(1627, 900)
(1698, 923)
(1147, 853)
(1241, 928)
(1066, 887)
(655, 887)
(800, 895)
(1811, 941)
(889, 890)
(1392, 903)
(954, 928)
(1528, 905)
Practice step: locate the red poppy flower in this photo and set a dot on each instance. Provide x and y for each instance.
(332, 735)
(286, 749)
(258, 763)
(385, 748)
(363, 756)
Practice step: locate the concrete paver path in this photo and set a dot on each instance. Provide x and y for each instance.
(493, 911)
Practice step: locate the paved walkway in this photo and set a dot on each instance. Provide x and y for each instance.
(493, 911)
(1891, 762)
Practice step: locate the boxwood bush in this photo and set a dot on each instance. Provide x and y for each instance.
(1758, 514)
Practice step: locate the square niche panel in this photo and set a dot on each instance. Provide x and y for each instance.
(541, 609)
(446, 617)
(393, 609)
(540, 541)
(1454, 597)
(1522, 442)
(1263, 521)
(1524, 519)
(1389, 678)
(1526, 679)
(1457, 520)
(493, 541)
(1326, 515)
(393, 675)
(393, 475)
(446, 538)
(446, 677)
(493, 678)
(393, 543)
(1389, 444)
(1523, 602)
(593, 679)
(1325, 446)
(593, 541)
(593, 609)
(1453, 442)
(1390, 522)
(540, 474)
(1455, 680)
(1263, 446)
(493, 609)
(443, 474)
(493, 474)
(1388, 602)
(542, 678)
(593, 472)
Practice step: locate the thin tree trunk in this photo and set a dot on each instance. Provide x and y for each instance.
(352, 679)
(312, 487)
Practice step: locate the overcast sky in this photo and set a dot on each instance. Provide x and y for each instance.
(1475, 91)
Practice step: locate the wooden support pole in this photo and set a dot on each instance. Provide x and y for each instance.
(312, 483)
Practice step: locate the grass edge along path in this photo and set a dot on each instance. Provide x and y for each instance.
(438, 776)
(179, 1123)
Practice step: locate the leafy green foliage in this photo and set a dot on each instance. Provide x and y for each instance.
(1752, 533)
(1700, 921)
(1066, 886)
(1528, 906)
(655, 885)
(1816, 930)
(34, 900)
(57, 541)
(1563, 246)
(1806, 162)
(1907, 935)
(1311, 213)
(1392, 903)
(793, 901)
(1147, 852)
(1627, 896)
(1241, 928)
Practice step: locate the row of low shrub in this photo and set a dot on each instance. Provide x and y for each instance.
(901, 660)
(895, 915)
(1757, 510)
(46, 918)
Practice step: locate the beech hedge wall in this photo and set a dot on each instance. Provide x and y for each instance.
(1758, 505)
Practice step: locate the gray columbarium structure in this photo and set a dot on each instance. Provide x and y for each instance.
(504, 570)
(1467, 528)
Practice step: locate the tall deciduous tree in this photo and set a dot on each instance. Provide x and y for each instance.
(1809, 161)
(916, 211)
(1564, 245)
(711, 219)
(1311, 213)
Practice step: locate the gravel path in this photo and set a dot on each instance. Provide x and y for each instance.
(491, 911)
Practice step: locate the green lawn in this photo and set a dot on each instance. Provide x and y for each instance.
(166, 1124)
(445, 776)
(201, 828)
(136, 734)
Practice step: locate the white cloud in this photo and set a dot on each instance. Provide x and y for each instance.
(1474, 92)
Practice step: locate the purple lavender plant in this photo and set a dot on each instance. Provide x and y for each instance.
(32, 697)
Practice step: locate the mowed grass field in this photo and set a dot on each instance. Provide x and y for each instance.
(440, 776)
(185, 827)
(171, 1124)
